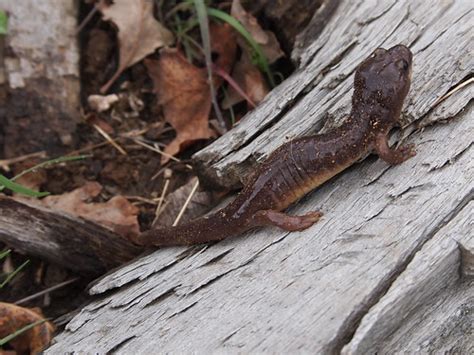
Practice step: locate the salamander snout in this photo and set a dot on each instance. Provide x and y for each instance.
(402, 57)
(402, 52)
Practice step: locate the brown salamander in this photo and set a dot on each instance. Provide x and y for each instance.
(381, 83)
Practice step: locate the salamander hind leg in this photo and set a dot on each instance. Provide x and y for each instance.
(393, 156)
(284, 221)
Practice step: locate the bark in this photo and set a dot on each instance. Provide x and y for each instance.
(74, 243)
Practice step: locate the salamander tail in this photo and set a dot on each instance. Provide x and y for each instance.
(202, 230)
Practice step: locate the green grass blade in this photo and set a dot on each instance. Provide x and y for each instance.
(3, 23)
(50, 162)
(4, 253)
(10, 337)
(261, 59)
(14, 273)
(13, 186)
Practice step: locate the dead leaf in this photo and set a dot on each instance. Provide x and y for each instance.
(224, 46)
(266, 39)
(201, 202)
(117, 214)
(14, 318)
(185, 96)
(250, 80)
(139, 33)
(183, 90)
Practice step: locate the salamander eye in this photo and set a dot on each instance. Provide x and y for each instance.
(378, 52)
(402, 64)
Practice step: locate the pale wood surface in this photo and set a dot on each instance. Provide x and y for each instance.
(393, 239)
(438, 33)
(436, 305)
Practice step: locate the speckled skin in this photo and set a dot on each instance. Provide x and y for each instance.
(381, 83)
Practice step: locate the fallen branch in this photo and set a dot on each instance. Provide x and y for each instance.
(74, 243)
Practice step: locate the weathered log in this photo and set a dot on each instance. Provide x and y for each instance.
(77, 244)
(381, 271)
(319, 92)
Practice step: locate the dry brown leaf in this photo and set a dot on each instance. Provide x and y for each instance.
(14, 318)
(184, 93)
(117, 214)
(224, 45)
(183, 90)
(266, 39)
(201, 202)
(250, 80)
(139, 33)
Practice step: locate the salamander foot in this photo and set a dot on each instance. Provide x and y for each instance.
(284, 221)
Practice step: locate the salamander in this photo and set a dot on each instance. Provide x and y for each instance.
(381, 84)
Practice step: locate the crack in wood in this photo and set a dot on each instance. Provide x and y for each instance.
(376, 17)
(162, 297)
(121, 344)
(398, 195)
(182, 310)
(453, 159)
(352, 323)
(217, 258)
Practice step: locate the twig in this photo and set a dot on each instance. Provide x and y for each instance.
(191, 194)
(5, 163)
(232, 83)
(159, 151)
(86, 20)
(451, 92)
(109, 139)
(45, 164)
(48, 290)
(121, 136)
(167, 177)
(155, 149)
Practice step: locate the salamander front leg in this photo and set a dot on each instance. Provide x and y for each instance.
(284, 221)
(393, 156)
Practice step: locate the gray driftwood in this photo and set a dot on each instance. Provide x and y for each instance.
(389, 267)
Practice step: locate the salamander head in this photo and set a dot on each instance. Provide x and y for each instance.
(382, 81)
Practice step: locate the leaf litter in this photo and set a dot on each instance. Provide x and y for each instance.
(183, 90)
(117, 214)
(139, 33)
(14, 319)
(180, 83)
